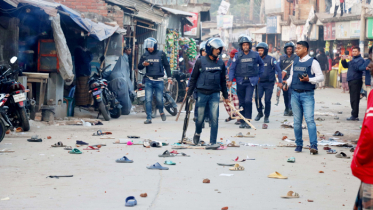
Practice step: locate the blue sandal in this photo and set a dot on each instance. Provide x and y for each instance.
(124, 159)
(131, 201)
(157, 166)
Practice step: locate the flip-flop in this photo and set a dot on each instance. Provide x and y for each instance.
(237, 160)
(157, 166)
(68, 148)
(183, 155)
(320, 119)
(327, 148)
(100, 133)
(124, 159)
(237, 167)
(98, 145)
(6, 151)
(222, 147)
(91, 148)
(35, 139)
(331, 151)
(78, 142)
(342, 155)
(233, 144)
(277, 175)
(165, 144)
(174, 152)
(169, 162)
(133, 137)
(58, 144)
(240, 135)
(291, 160)
(212, 147)
(337, 133)
(291, 195)
(166, 154)
(225, 164)
(155, 144)
(75, 151)
(131, 201)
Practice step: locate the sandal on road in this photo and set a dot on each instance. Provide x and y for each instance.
(68, 148)
(225, 164)
(291, 194)
(124, 159)
(166, 154)
(277, 175)
(291, 160)
(131, 201)
(331, 151)
(75, 151)
(233, 144)
(320, 119)
(212, 147)
(91, 148)
(100, 133)
(35, 139)
(58, 144)
(337, 133)
(343, 155)
(222, 147)
(169, 162)
(237, 167)
(157, 166)
(183, 155)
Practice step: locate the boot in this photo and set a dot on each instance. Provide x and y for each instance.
(341, 9)
(243, 125)
(335, 11)
(286, 112)
(196, 138)
(290, 113)
(260, 115)
(266, 119)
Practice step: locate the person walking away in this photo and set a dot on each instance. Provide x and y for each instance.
(343, 74)
(323, 60)
(285, 63)
(247, 67)
(354, 79)
(155, 61)
(362, 162)
(304, 75)
(208, 78)
(82, 60)
(128, 52)
(329, 69)
(232, 93)
(267, 81)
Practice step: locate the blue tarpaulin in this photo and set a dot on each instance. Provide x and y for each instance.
(98, 30)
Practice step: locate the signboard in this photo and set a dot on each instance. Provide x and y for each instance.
(224, 7)
(369, 29)
(285, 33)
(224, 21)
(192, 30)
(258, 38)
(292, 35)
(314, 33)
(299, 32)
(271, 25)
(355, 29)
(329, 31)
(342, 30)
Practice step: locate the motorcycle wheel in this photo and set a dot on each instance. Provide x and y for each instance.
(2, 130)
(171, 110)
(25, 124)
(103, 110)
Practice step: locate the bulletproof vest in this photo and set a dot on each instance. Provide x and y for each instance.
(285, 61)
(301, 68)
(269, 74)
(155, 69)
(247, 64)
(209, 77)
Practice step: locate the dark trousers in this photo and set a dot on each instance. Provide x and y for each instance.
(245, 96)
(287, 98)
(267, 89)
(355, 87)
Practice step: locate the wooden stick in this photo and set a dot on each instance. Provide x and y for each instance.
(240, 115)
(182, 105)
(107, 47)
(230, 94)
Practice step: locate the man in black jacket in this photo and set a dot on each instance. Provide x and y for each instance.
(208, 78)
(155, 61)
(324, 64)
(354, 79)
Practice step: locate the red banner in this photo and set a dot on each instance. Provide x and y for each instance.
(329, 31)
(192, 30)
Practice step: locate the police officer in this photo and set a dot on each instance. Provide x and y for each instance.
(208, 77)
(267, 81)
(285, 65)
(247, 67)
(155, 61)
(305, 73)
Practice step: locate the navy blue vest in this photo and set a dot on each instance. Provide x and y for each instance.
(269, 74)
(353, 72)
(301, 68)
(155, 69)
(247, 64)
(209, 77)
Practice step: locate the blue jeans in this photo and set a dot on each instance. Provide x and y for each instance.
(211, 101)
(267, 89)
(304, 105)
(245, 96)
(156, 88)
(207, 110)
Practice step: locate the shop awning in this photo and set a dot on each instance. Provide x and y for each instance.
(261, 31)
(178, 12)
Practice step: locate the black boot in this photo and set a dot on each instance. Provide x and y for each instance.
(286, 112)
(196, 138)
(290, 113)
(243, 125)
(266, 119)
(335, 11)
(260, 115)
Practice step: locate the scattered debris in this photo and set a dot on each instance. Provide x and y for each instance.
(224, 208)
(49, 137)
(58, 176)
(5, 199)
(321, 172)
(310, 200)
(206, 181)
(143, 195)
(286, 124)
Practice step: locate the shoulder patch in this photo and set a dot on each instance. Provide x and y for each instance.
(274, 62)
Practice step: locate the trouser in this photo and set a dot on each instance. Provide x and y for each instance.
(304, 105)
(156, 88)
(207, 109)
(364, 198)
(355, 88)
(211, 101)
(287, 98)
(245, 96)
(267, 89)
(328, 5)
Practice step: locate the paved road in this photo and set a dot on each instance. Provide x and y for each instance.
(100, 183)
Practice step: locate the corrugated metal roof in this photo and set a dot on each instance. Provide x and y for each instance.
(178, 12)
(14, 3)
(146, 10)
(49, 7)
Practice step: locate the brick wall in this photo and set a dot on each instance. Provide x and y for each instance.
(288, 10)
(98, 7)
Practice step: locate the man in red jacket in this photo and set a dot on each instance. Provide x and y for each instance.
(362, 163)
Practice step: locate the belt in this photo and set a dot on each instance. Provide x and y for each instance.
(302, 91)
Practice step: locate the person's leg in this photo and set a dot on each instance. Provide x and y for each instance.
(285, 94)
(202, 101)
(355, 87)
(214, 113)
(298, 117)
(308, 104)
(290, 106)
(207, 114)
(248, 108)
(195, 95)
(148, 98)
(267, 99)
(158, 92)
(261, 89)
(367, 196)
(241, 93)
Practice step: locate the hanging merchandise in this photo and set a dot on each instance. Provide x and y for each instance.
(192, 50)
(172, 48)
(370, 44)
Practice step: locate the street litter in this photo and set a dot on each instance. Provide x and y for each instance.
(226, 174)
(291, 194)
(34, 139)
(6, 151)
(330, 142)
(286, 124)
(58, 176)
(206, 181)
(143, 195)
(5, 199)
(240, 135)
(324, 114)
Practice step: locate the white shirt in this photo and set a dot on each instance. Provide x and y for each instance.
(315, 69)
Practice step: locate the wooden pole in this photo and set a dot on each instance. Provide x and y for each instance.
(133, 53)
(182, 105)
(241, 116)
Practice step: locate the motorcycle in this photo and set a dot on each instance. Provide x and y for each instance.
(104, 100)
(5, 123)
(17, 101)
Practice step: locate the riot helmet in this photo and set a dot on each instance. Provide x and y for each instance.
(263, 45)
(289, 44)
(214, 43)
(202, 47)
(150, 43)
(245, 39)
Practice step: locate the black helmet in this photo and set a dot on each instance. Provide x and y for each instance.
(245, 39)
(264, 46)
(214, 43)
(202, 47)
(289, 44)
(150, 43)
